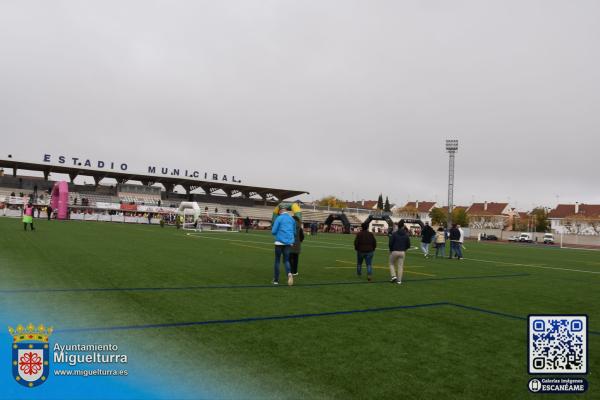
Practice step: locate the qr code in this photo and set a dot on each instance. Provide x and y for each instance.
(558, 344)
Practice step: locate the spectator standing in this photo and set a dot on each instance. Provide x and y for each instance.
(399, 244)
(365, 245)
(440, 243)
(427, 235)
(28, 216)
(296, 247)
(313, 229)
(455, 242)
(247, 223)
(461, 241)
(284, 229)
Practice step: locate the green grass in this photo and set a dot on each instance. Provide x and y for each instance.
(427, 352)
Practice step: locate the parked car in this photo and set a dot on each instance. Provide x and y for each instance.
(513, 238)
(548, 238)
(525, 237)
(488, 237)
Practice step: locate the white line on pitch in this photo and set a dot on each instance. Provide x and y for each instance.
(535, 266)
(261, 242)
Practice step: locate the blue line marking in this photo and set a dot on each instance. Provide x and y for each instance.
(251, 319)
(297, 316)
(206, 287)
(488, 311)
(500, 314)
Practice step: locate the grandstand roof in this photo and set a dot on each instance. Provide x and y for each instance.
(169, 182)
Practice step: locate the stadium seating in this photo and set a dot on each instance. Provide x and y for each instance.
(84, 198)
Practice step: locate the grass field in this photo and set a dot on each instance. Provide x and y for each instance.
(453, 329)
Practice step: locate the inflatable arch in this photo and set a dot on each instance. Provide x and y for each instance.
(390, 222)
(189, 205)
(60, 199)
(337, 217)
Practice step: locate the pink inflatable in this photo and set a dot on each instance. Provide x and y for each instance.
(60, 199)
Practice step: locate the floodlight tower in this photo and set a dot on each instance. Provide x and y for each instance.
(451, 148)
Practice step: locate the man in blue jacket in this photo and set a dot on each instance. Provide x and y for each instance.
(399, 244)
(284, 230)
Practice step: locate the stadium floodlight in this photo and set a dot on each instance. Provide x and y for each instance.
(451, 148)
(451, 145)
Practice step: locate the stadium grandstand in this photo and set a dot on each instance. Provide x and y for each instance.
(138, 198)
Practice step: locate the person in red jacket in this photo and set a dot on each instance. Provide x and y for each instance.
(365, 245)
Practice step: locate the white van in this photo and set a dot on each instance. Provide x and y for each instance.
(548, 238)
(525, 237)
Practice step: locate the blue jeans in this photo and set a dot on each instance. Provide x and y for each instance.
(456, 248)
(425, 248)
(368, 257)
(440, 248)
(279, 251)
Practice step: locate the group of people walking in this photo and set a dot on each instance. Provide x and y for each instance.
(365, 245)
(455, 235)
(289, 236)
(399, 243)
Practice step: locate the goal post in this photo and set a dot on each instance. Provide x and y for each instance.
(217, 222)
(574, 246)
(194, 219)
(189, 219)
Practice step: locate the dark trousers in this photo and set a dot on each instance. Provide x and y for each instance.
(440, 249)
(25, 226)
(368, 258)
(281, 252)
(294, 262)
(456, 249)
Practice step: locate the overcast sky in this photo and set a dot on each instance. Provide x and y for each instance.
(350, 98)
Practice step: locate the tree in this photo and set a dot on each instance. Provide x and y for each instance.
(438, 217)
(520, 224)
(386, 206)
(331, 201)
(380, 202)
(540, 219)
(460, 217)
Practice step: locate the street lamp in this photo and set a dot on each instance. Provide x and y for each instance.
(451, 148)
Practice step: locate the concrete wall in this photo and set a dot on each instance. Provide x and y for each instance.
(583, 240)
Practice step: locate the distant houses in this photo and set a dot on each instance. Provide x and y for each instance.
(489, 215)
(575, 219)
(415, 210)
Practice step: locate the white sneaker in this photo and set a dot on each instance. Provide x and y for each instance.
(275, 283)
(399, 282)
(296, 274)
(290, 279)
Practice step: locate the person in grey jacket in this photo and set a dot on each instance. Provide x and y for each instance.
(296, 247)
(399, 244)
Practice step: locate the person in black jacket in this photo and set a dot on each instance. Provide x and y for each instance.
(399, 243)
(427, 235)
(455, 242)
(365, 245)
(296, 247)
